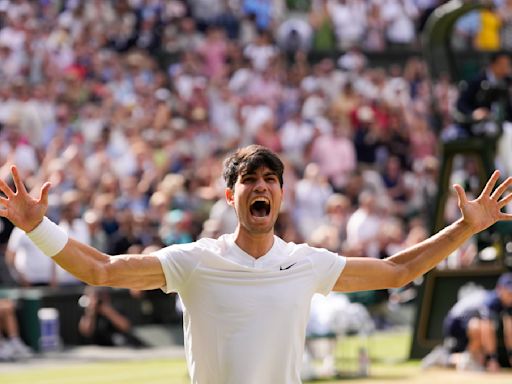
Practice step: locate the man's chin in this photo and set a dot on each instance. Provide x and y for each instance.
(260, 225)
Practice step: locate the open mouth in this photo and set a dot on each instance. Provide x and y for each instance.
(260, 207)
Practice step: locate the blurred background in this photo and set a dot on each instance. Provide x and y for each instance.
(128, 108)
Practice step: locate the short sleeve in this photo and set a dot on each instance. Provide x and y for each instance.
(491, 307)
(327, 267)
(178, 262)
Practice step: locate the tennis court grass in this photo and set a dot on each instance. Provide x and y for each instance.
(126, 372)
(388, 352)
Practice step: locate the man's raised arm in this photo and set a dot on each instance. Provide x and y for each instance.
(397, 270)
(83, 261)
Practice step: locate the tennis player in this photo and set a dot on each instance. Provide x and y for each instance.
(246, 295)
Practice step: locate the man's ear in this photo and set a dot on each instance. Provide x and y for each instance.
(230, 196)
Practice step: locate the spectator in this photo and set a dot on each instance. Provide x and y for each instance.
(344, 104)
(294, 34)
(399, 17)
(267, 136)
(324, 39)
(16, 148)
(474, 102)
(311, 194)
(363, 227)
(11, 347)
(98, 237)
(125, 236)
(213, 51)
(482, 101)
(29, 265)
(349, 21)
(367, 137)
(188, 37)
(423, 142)
(488, 36)
(335, 168)
(248, 29)
(223, 109)
(394, 181)
(296, 134)
(375, 35)
(338, 211)
(261, 53)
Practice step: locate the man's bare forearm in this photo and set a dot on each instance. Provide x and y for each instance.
(363, 273)
(422, 257)
(121, 271)
(82, 261)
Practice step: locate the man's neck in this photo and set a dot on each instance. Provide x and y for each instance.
(256, 245)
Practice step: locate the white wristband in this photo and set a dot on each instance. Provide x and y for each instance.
(48, 237)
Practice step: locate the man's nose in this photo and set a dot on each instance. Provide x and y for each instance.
(261, 184)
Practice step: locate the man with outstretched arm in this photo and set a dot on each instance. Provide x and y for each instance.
(246, 295)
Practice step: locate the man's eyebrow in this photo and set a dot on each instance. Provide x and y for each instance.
(252, 173)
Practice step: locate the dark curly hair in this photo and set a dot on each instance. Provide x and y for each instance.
(248, 160)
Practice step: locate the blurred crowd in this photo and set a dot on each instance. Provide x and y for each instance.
(133, 145)
(134, 149)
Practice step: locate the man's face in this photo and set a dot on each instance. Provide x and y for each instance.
(256, 198)
(505, 296)
(502, 67)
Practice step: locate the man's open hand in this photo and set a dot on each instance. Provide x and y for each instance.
(19, 207)
(485, 210)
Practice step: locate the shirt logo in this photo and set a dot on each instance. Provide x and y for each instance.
(281, 268)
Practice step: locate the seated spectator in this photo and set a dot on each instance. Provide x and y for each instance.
(11, 347)
(482, 97)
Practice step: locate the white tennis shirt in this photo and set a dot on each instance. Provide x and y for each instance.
(244, 318)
